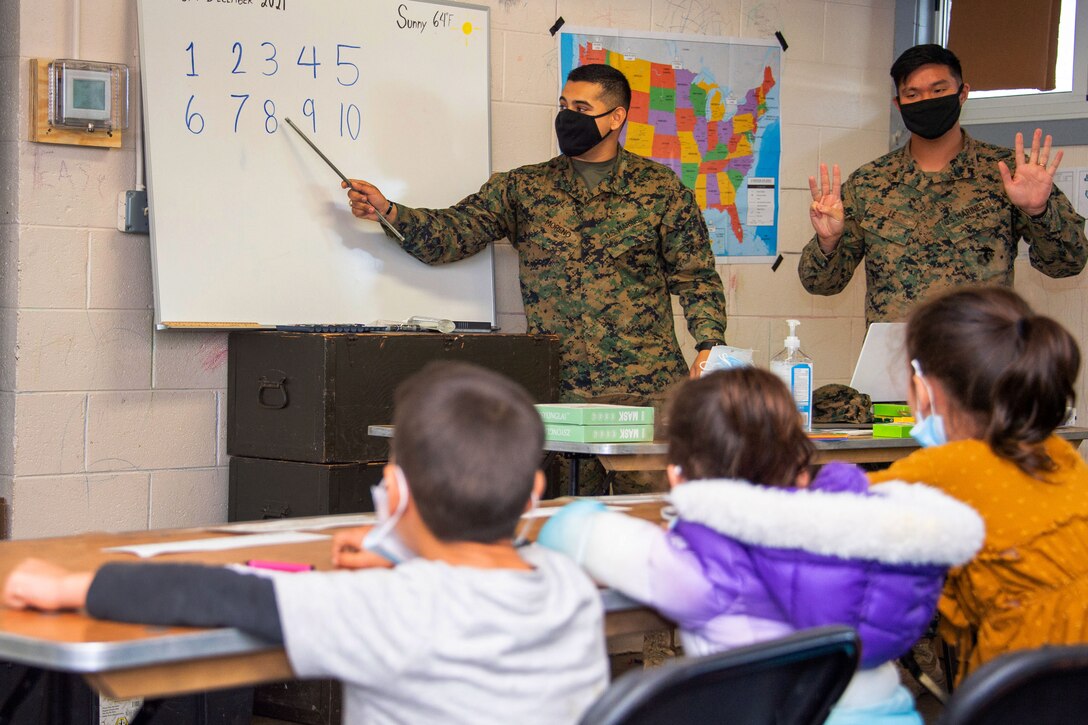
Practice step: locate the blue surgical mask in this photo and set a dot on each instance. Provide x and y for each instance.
(383, 539)
(929, 431)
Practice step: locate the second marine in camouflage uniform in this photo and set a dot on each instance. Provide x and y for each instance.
(921, 233)
(596, 268)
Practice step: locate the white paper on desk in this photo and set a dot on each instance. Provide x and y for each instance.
(313, 523)
(631, 499)
(222, 543)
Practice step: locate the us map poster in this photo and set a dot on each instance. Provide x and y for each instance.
(708, 108)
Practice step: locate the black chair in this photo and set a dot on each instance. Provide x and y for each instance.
(1047, 686)
(789, 681)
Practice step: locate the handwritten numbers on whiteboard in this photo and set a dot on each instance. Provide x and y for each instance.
(270, 115)
(348, 74)
(192, 61)
(190, 117)
(271, 59)
(244, 97)
(237, 49)
(311, 113)
(352, 118)
(313, 59)
(340, 62)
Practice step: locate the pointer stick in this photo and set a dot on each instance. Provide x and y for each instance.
(339, 173)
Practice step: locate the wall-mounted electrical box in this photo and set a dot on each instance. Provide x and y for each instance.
(78, 102)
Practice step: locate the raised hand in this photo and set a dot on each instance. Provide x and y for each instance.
(826, 212)
(1030, 186)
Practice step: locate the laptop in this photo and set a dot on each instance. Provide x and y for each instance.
(883, 370)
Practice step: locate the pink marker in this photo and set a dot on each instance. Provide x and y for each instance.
(279, 565)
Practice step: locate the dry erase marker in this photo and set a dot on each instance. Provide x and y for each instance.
(339, 173)
(279, 565)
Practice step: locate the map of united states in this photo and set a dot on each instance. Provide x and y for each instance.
(687, 122)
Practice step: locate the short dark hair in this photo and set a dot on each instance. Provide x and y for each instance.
(1009, 370)
(737, 423)
(470, 443)
(615, 90)
(914, 58)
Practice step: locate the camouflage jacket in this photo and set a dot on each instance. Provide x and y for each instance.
(597, 268)
(922, 233)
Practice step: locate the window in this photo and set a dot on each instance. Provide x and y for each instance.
(1063, 63)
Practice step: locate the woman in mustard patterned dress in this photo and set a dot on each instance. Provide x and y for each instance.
(992, 380)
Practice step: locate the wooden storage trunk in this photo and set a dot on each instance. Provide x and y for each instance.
(311, 396)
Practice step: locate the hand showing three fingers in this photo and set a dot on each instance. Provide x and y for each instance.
(826, 212)
(1029, 188)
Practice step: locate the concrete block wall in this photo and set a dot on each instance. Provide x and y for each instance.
(108, 424)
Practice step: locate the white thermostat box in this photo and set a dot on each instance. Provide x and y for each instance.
(88, 95)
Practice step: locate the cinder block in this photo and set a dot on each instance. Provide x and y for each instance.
(496, 52)
(531, 68)
(221, 457)
(109, 33)
(723, 18)
(119, 273)
(800, 155)
(43, 29)
(164, 429)
(761, 292)
(7, 433)
(7, 349)
(9, 85)
(606, 13)
(72, 186)
(761, 19)
(520, 14)
(49, 433)
(858, 36)
(521, 133)
(794, 224)
(829, 342)
(84, 350)
(823, 94)
(9, 192)
(9, 261)
(187, 498)
(63, 505)
(803, 29)
(52, 267)
(190, 360)
(512, 323)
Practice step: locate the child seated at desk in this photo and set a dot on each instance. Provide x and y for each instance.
(758, 551)
(468, 630)
(991, 381)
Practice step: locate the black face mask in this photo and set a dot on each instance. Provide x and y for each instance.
(932, 117)
(578, 132)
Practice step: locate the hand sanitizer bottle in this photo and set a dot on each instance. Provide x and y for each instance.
(795, 369)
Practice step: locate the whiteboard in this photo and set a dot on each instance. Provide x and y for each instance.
(248, 224)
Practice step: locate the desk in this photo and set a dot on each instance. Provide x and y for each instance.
(651, 456)
(132, 660)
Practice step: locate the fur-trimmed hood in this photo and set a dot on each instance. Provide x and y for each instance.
(893, 522)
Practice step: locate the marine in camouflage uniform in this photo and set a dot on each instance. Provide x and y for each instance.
(596, 267)
(921, 233)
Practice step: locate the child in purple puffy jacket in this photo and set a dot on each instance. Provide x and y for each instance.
(758, 549)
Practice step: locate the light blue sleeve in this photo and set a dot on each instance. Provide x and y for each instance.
(568, 531)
